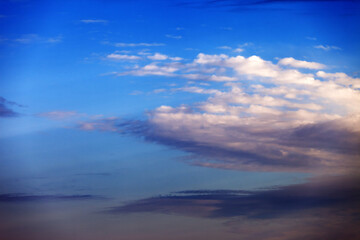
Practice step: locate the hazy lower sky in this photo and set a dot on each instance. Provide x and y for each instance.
(227, 119)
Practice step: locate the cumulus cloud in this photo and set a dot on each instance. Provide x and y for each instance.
(340, 78)
(300, 64)
(266, 117)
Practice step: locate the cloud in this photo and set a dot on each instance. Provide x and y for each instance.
(154, 69)
(139, 44)
(40, 198)
(340, 78)
(35, 38)
(54, 39)
(238, 50)
(327, 47)
(5, 110)
(158, 56)
(94, 21)
(115, 56)
(320, 209)
(173, 36)
(224, 47)
(300, 64)
(105, 124)
(59, 115)
(265, 118)
(27, 38)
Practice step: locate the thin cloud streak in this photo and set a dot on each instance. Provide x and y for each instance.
(40, 198)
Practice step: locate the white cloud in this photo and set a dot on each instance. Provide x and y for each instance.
(268, 117)
(239, 50)
(115, 56)
(289, 61)
(224, 47)
(327, 47)
(340, 78)
(176, 58)
(153, 69)
(138, 44)
(158, 56)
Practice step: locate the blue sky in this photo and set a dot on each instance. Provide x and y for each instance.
(110, 110)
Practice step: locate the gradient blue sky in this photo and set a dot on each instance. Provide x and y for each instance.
(106, 102)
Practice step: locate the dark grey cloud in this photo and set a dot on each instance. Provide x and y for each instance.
(332, 192)
(331, 137)
(5, 108)
(325, 208)
(39, 198)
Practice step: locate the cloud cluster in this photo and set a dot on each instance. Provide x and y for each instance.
(269, 117)
(324, 208)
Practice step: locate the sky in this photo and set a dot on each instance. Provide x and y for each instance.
(206, 119)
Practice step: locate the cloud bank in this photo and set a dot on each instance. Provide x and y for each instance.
(326, 208)
(268, 117)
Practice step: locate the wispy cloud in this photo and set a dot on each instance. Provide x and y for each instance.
(139, 44)
(5, 108)
(59, 115)
(173, 36)
(35, 38)
(160, 57)
(94, 21)
(27, 38)
(224, 47)
(327, 47)
(115, 56)
(40, 198)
